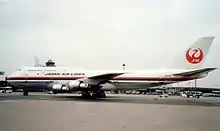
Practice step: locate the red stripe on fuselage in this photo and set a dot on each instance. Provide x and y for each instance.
(179, 78)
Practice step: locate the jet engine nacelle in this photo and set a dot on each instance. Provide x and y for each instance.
(59, 87)
(77, 84)
(107, 87)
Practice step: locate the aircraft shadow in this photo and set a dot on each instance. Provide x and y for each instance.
(138, 100)
(115, 99)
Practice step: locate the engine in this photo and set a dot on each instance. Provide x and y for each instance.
(77, 84)
(107, 87)
(59, 87)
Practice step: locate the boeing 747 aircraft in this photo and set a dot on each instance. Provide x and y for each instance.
(94, 83)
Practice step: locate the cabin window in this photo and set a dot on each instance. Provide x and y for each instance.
(34, 70)
(18, 69)
(50, 70)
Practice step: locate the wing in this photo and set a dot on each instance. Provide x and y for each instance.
(106, 76)
(100, 78)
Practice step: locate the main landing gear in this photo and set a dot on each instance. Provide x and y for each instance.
(97, 94)
(25, 93)
(86, 94)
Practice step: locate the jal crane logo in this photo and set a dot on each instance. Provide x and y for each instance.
(194, 55)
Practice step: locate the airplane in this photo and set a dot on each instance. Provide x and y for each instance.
(94, 83)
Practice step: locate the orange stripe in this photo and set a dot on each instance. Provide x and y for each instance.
(179, 78)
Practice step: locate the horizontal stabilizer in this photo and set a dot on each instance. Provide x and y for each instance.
(196, 72)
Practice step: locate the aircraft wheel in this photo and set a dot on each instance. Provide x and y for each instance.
(13, 89)
(100, 94)
(103, 94)
(25, 93)
(86, 94)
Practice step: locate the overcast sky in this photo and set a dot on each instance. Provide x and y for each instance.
(100, 34)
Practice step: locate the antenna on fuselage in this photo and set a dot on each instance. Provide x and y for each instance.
(123, 67)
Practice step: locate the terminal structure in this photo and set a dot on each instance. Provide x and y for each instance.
(2, 79)
(50, 63)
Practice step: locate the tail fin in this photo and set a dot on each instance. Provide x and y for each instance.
(195, 55)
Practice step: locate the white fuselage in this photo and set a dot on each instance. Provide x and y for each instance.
(191, 61)
(43, 76)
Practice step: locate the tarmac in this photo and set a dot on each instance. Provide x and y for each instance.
(117, 112)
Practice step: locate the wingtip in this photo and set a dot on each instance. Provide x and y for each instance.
(213, 68)
(208, 37)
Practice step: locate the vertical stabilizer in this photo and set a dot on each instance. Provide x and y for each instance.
(36, 61)
(194, 56)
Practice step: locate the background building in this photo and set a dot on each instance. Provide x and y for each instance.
(2, 79)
